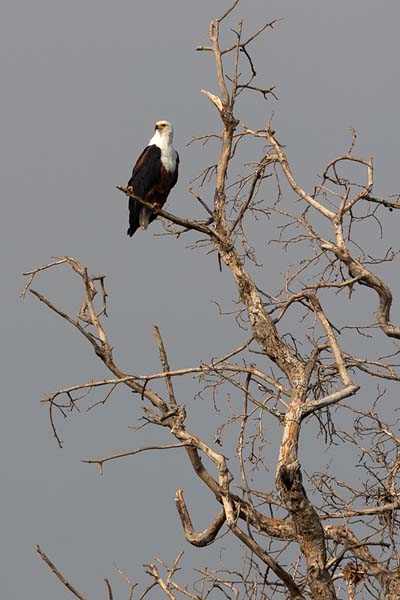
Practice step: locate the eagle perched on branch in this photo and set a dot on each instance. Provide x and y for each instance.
(154, 175)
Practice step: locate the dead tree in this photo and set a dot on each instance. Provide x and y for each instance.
(327, 537)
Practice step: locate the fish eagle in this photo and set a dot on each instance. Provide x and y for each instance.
(154, 175)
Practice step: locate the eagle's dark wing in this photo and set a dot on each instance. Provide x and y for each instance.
(145, 175)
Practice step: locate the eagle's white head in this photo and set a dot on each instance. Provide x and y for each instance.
(163, 139)
(164, 133)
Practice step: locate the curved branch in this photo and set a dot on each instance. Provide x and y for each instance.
(206, 537)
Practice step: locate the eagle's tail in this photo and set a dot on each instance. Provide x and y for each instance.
(144, 217)
(140, 216)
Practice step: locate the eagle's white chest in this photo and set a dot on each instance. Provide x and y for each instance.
(168, 154)
(168, 158)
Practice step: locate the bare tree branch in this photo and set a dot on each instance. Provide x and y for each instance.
(101, 461)
(60, 576)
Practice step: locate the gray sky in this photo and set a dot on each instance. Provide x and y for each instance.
(82, 84)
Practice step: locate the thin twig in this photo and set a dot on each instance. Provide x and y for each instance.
(60, 576)
(101, 461)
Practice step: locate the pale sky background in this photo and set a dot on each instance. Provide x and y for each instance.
(82, 84)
